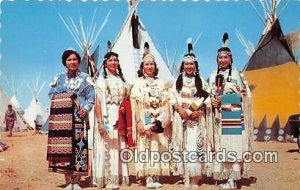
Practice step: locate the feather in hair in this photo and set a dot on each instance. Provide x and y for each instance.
(146, 48)
(109, 46)
(189, 44)
(190, 48)
(225, 39)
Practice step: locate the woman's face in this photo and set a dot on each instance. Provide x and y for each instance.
(149, 68)
(189, 68)
(112, 64)
(72, 62)
(224, 60)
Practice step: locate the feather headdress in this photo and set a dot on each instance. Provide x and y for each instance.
(109, 52)
(225, 43)
(190, 56)
(147, 56)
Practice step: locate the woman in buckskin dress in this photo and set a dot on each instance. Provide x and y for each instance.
(150, 102)
(111, 90)
(191, 119)
(232, 104)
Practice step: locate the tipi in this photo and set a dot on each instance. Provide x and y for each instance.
(129, 45)
(35, 107)
(273, 75)
(86, 39)
(14, 100)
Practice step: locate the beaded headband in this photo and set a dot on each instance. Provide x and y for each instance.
(149, 58)
(189, 58)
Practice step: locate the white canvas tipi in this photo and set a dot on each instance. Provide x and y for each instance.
(14, 89)
(15, 102)
(129, 44)
(35, 107)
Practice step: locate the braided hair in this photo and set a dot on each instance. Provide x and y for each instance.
(106, 57)
(198, 81)
(190, 57)
(225, 48)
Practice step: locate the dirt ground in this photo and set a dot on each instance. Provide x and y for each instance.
(23, 166)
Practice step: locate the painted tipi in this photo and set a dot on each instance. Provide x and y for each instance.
(129, 45)
(273, 76)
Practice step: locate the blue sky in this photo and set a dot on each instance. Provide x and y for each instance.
(33, 37)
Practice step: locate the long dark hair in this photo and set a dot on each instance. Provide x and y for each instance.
(106, 57)
(226, 49)
(198, 81)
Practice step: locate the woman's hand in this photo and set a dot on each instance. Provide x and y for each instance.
(148, 132)
(216, 102)
(140, 128)
(82, 113)
(195, 115)
(166, 123)
(183, 114)
(101, 128)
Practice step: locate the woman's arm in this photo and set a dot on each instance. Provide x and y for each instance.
(54, 86)
(138, 119)
(176, 104)
(167, 121)
(136, 97)
(98, 114)
(90, 95)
